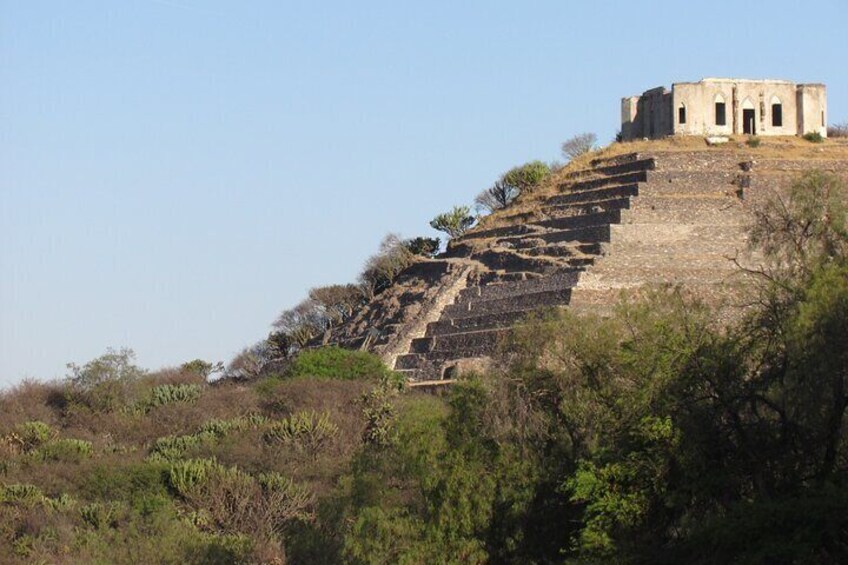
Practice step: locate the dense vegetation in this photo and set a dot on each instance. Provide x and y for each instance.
(655, 435)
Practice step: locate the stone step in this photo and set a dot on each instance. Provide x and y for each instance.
(562, 252)
(419, 368)
(431, 362)
(611, 169)
(670, 262)
(602, 182)
(496, 277)
(697, 182)
(517, 229)
(602, 300)
(561, 280)
(484, 341)
(562, 222)
(476, 323)
(681, 238)
(616, 159)
(636, 275)
(507, 260)
(596, 234)
(711, 160)
(795, 166)
(542, 299)
(582, 221)
(589, 208)
(593, 196)
(678, 209)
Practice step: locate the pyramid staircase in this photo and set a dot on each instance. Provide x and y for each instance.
(527, 266)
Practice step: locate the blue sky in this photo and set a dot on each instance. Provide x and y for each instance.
(174, 173)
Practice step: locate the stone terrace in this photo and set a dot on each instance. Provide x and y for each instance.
(527, 266)
(663, 215)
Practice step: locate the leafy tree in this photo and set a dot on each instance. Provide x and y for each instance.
(249, 361)
(497, 197)
(424, 246)
(579, 145)
(506, 189)
(685, 437)
(202, 368)
(382, 269)
(454, 223)
(106, 382)
(303, 322)
(339, 301)
(805, 229)
(527, 176)
(112, 366)
(280, 345)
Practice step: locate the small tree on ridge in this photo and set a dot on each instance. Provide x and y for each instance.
(579, 145)
(454, 223)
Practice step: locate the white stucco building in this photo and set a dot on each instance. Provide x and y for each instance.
(723, 106)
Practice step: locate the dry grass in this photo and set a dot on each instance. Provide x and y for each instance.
(30, 400)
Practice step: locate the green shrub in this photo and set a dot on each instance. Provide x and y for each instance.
(67, 450)
(424, 246)
(287, 500)
(305, 431)
(125, 482)
(98, 515)
(814, 137)
(168, 394)
(30, 435)
(336, 363)
(60, 503)
(753, 142)
(220, 428)
(225, 549)
(25, 494)
(186, 475)
(454, 223)
(171, 448)
(268, 385)
(379, 412)
(527, 176)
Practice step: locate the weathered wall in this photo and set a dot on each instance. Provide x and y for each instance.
(812, 109)
(657, 112)
(630, 127)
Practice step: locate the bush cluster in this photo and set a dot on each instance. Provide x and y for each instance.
(106, 485)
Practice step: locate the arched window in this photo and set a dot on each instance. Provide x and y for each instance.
(776, 112)
(720, 111)
(681, 114)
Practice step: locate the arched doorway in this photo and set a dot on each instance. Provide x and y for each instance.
(749, 118)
